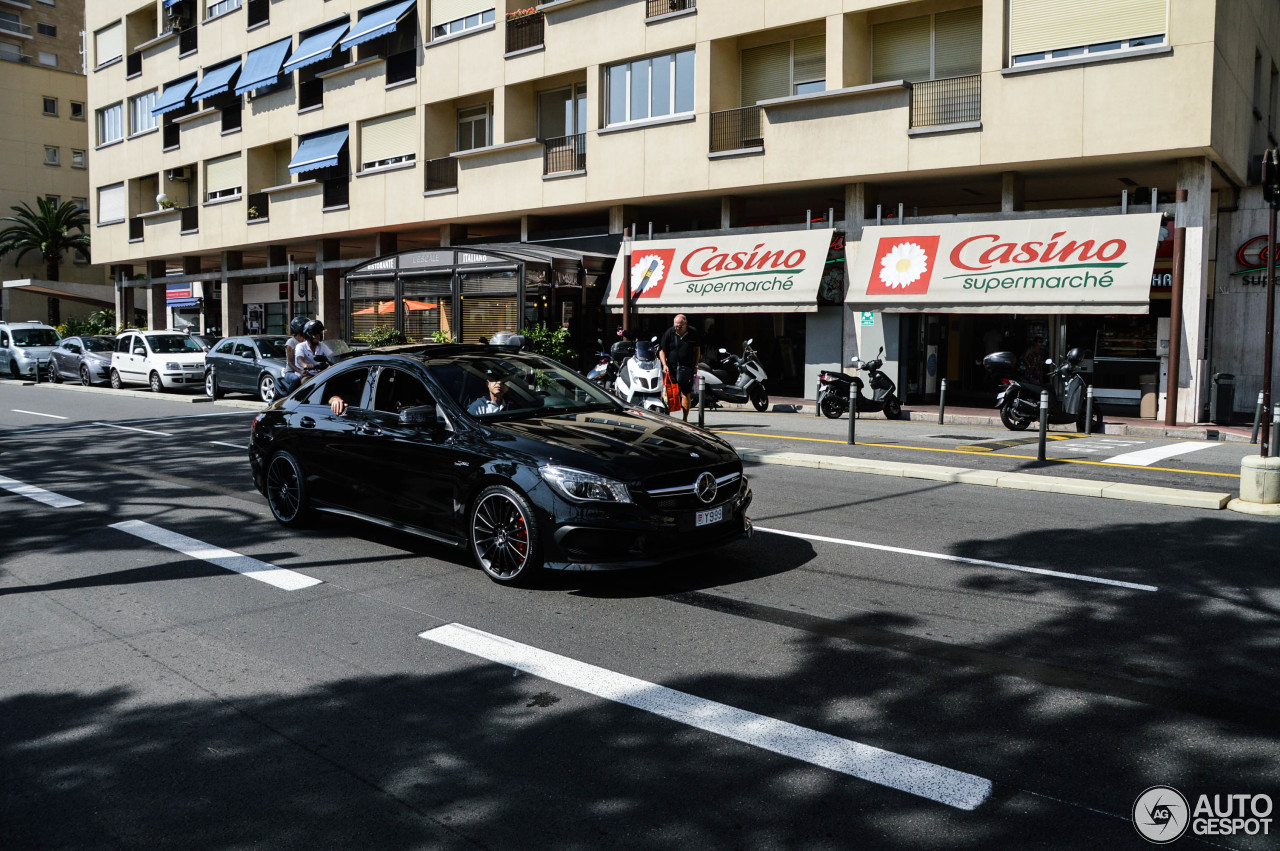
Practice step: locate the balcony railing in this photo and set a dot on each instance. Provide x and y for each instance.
(564, 153)
(257, 205)
(525, 32)
(14, 56)
(135, 228)
(402, 66)
(259, 12)
(337, 192)
(736, 129)
(188, 41)
(190, 219)
(15, 27)
(666, 7)
(310, 93)
(133, 64)
(956, 100)
(442, 174)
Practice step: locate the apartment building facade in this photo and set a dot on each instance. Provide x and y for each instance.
(44, 150)
(455, 166)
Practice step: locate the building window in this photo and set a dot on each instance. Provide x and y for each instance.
(77, 111)
(52, 155)
(111, 203)
(108, 44)
(930, 47)
(222, 177)
(81, 203)
(47, 29)
(388, 140)
(562, 112)
(11, 52)
(111, 124)
(55, 200)
(478, 19)
(45, 2)
(140, 118)
(51, 106)
(220, 7)
(78, 159)
(44, 57)
(786, 68)
(1041, 31)
(474, 127)
(650, 88)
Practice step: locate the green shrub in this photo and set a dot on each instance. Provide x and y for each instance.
(383, 335)
(441, 336)
(551, 342)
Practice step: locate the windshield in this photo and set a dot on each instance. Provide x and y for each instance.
(335, 348)
(24, 337)
(646, 352)
(174, 344)
(497, 386)
(98, 344)
(271, 347)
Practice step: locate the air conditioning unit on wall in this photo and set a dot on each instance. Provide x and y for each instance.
(181, 174)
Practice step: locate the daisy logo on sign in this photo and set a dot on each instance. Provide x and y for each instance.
(903, 265)
(649, 272)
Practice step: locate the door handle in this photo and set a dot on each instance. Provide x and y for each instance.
(307, 422)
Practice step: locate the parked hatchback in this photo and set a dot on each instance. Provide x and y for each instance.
(25, 347)
(161, 359)
(246, 365)
(87, 358)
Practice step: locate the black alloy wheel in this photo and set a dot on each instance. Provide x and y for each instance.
(286, 490)
(85, 378)
(1013, 421)
(760, 398)
(504, 536)
(211, 388)
(55, 377)
(116, 383)
(831, 407)
(157, 386)
(267, 388)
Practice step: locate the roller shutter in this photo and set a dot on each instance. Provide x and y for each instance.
(766, 72)
(810, 59)
(387, 137)
(222, 173)
(1043, 25)
(900, 50)
(111, 203)
(444, 11)
(108, 43)
(957, 43)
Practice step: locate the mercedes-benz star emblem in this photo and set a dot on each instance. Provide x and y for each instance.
(705, 487)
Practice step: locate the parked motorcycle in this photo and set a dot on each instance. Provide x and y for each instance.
(1019, 397)
(640, 381)
(733, 379)
(605, 372)
(837, 389)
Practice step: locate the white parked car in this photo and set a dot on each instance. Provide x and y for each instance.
(161, 359)
(25, 347)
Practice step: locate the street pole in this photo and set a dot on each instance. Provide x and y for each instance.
(1270, 176)
(942, 403)
(702, 400)
(1088, 411)
(1257, 416)
(626, 279)
(853, 416)
(1044, 423)
(1175, 311)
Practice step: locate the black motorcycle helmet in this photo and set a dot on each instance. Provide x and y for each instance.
(314, 328)
(297, 324)
(1075, 356)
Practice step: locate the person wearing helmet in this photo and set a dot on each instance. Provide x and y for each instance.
(295, 337)
(306, 356)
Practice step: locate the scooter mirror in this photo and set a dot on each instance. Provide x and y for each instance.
(750, 340)
(724, 351)
(1048, 361)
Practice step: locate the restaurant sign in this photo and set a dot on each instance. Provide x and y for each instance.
(778, 271)
(1093, 264)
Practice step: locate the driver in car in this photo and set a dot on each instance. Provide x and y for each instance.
(493, 403)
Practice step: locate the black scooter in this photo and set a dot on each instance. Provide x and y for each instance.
(1019, 398)
(837, 388)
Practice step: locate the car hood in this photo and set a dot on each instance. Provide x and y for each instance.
(36, 351)
(628, 445)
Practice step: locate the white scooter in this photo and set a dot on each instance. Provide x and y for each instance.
(640, 380)
(735, 380)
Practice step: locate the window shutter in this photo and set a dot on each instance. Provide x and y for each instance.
(386, 137)
(108, 43)
(444, 11)
(111, 203)
(810, 62)
(900, 50)
(766, 73)
(222, 173)
(1042, 25)
(957, 43)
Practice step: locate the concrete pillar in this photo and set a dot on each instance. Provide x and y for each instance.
(277, 255)
(1195, 175)
(157, 310)
(386, 244)
(329, 289)
(124, 296)
(232, 295)
(528, 225)
(1012, 191)
(620, 218)
(452, 234)
(730, 211)
(4, 305)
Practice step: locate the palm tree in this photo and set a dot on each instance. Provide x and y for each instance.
(47, 231)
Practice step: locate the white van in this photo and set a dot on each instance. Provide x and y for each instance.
(25, 347)
(161, 359)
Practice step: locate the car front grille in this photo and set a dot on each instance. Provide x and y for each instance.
(681, 497)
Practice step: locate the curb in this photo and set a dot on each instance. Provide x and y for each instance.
(1212, 501)
(137, 394)
(246, 404)
(1258, 509)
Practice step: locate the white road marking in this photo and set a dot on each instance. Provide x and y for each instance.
(131, 428)
(935, 782)
(232, 445)
(280, 577)
(37, 414)
(962, 560)
(53, 500)
(1146, 457)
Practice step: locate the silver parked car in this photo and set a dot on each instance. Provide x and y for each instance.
(251, 364)
(87, 358)
(25, 347)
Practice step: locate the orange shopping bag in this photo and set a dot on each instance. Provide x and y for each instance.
(673, 393)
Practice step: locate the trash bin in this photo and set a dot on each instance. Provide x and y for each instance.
(1148, 402)
(1223, 398)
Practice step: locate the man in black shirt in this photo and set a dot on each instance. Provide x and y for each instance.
(680, 351)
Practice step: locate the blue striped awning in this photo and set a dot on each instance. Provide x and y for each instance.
(262, 66)
(174, 96)
(182, 302)
(216, 80)
(377, 23)
(317, 46)
(319, 150)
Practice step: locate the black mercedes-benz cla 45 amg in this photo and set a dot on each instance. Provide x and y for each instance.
(513, 456)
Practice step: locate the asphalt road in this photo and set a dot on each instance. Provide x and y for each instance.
(888, 663)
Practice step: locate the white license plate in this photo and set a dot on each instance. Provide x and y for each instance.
(711, 515)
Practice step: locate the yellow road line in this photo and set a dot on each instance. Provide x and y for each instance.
(983, 454)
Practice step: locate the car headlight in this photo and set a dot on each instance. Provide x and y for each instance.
(22, 355)
(173, 367)
(581, 486)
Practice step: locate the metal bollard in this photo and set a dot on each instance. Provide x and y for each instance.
(817, 409)
(1257, 418)
(1275, 432)
(702, 401)
(942, 403)
(853, 417)
(1088, 410)
(1044, 423)
(38, 368)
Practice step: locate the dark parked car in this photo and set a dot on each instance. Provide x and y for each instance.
(555, 473)
(245, 365)
(86, 358)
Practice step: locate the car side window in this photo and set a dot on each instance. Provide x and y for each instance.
(72, 346)
(224, 347)
(4, 339)
(123, 344)
(349, 385)
(243, 349)
(398, 390)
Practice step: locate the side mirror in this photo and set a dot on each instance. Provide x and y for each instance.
(247, 355)
(1048, 361)
(879, 353)
(419, 415)
(750, 340)
(138, 350)
(724, 351)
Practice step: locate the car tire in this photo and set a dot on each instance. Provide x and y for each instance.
(211, 388)
(157, 386)
(504, 536)
(55, 377)
(267, 388)
(831, 407)
(760, 398)
(85, 378)
(116, 383)
(286, 490)
(13, 371)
